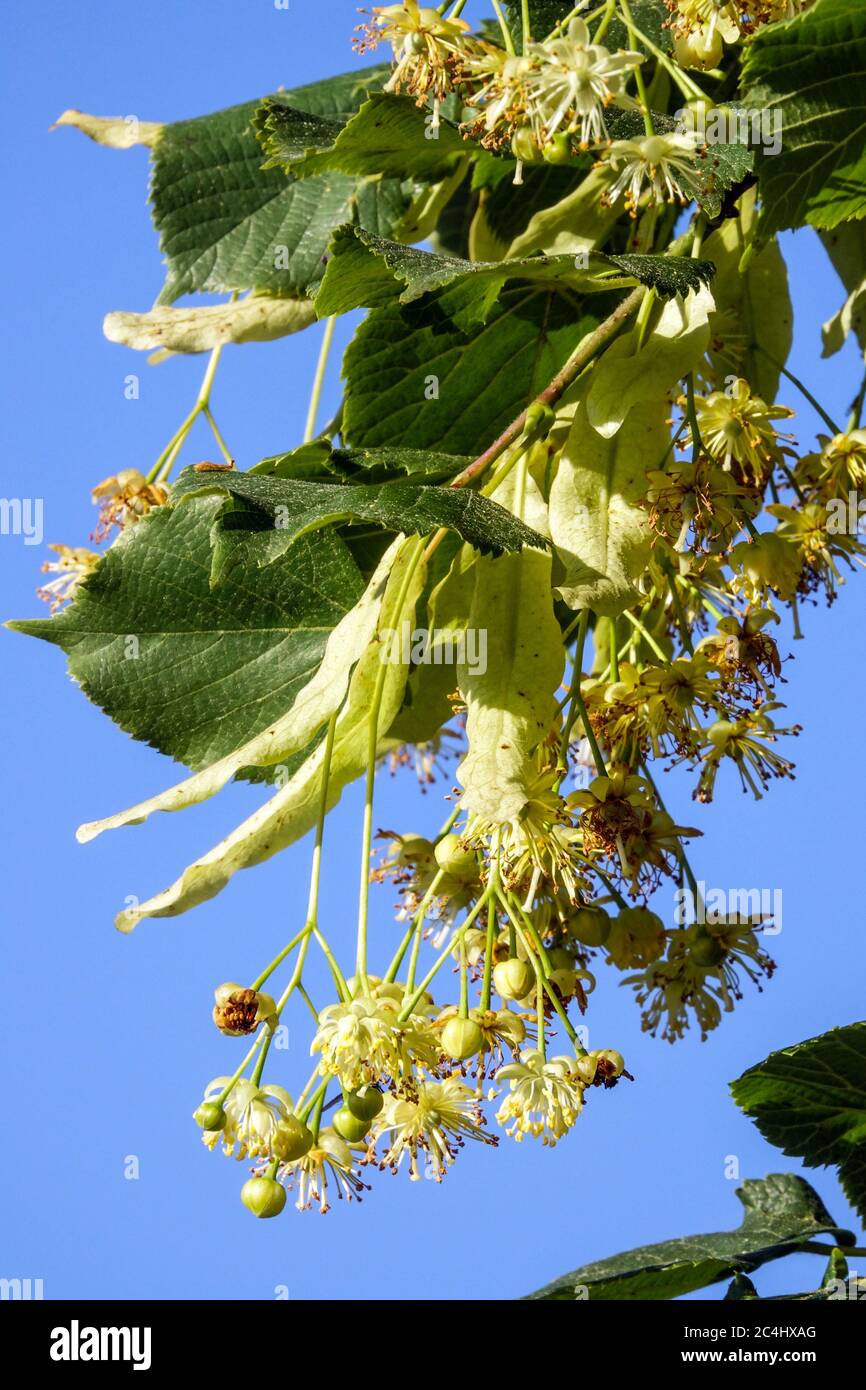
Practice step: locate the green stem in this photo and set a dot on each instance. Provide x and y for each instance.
(504, 29)
(318, 379)
(647, 636)
(649, 129)
(804, 390)
(223, 447)
(488, 955)
(162, 467)
(444, 954)
(577, 705)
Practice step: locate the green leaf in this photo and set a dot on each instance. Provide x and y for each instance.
(810, 1101)
(225, 223)
(413, 378)
(367, 271)
(810, 70)
(846, 247)
(390, 137)
(290, 508)
(293, 810)
(782, 1211)
(321, 461)
(192, 671)
(752, 325)
(289, 735)
(510, 703)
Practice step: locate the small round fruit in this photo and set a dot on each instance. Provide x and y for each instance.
(291, 1139)
(523, 145)
(462, 1038)
(348, 1126)
(513, 978)
(210, 1116)
(366, 1106)
(559, 958)
(706, 951)
(590, 926)
(565, 981)
(558, 150)
(457, 861)
(263, 1196)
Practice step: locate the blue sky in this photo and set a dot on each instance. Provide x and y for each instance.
(108, 1040)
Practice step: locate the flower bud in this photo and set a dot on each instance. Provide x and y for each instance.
(349, 1126)
(513, 978)
(457, 861)
(291, 1139)
(590, 926)
(210, 1116)
(263, 1196)
(462, 1038)
(365, 1105)
(565, 981)
(523, 145)
(637, 937)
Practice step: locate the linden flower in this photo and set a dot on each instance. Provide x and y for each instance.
(541, 842)
(572, 81)
(362, 1043)
(699, 497)
(747, 742)
(743, 653)
(72, 566)
(428, 49)
(429, 1122)
(737, 427)
(123, 498)
(699, 976)
(328, 1163)
(838, 469)
(818, 546)
(709, 17)
(665, 164)
(545, 1096)
(252, 1115)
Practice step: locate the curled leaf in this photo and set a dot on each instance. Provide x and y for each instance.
(256, 319)
(117, 132)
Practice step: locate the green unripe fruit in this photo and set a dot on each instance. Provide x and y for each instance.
(457, 861)
(559, 958)
(523, 145)
(513, 978)
(558, 150)
(706, 951)
(291, 1139)
(348, 1126)
(263, 1196)
(462, 1038)
(210, 1116)
(590, 926)
(366, 1106)
(564, 980)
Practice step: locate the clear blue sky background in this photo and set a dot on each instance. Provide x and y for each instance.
(107, 1039)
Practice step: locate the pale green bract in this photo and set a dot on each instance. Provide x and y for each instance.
(292, 811)
(509, 706)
